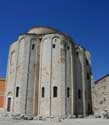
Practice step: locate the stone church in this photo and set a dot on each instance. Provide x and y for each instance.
(48, 75)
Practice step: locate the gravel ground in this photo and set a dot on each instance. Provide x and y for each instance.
(65, 122)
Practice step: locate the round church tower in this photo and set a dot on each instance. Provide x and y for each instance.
(46, 75)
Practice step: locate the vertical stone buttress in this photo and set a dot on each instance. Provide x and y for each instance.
(44, 77)
(58, 76)
(36, 79)
(11, 75)
(31, 104)
(89, 81)
(83, 73)
(68, 72)
(73, 104)
(19, 75)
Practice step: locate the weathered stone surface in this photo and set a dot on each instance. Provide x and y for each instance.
(49, 60)
(100, 94)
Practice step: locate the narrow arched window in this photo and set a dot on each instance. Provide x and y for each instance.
(54, 91)
(68, 92)
(17, 91)
(88, 76)
(43, 92)
(87, 62)
(79, 94)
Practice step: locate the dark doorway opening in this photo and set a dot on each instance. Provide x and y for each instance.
(9, 105)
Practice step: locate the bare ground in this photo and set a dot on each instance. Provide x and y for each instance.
(65, 122)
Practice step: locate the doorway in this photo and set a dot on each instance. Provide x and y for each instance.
(9, 105)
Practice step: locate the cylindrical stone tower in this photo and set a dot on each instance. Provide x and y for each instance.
(48, 75)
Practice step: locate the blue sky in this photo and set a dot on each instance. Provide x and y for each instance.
(86, 21)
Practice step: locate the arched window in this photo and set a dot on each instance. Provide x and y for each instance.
(17, 91)
(43, 92)
(54, 91)
(77, 53)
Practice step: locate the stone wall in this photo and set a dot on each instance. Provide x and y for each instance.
(100, 95)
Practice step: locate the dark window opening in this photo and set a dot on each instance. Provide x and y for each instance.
(79, 94)
(88, 76)
(87, 62)
(68, 92)
(104, 99)
(43, 92)
(77, 53)
(55, 40)
(53, 45)
(33, 46)
(40, 39)
(17, 91)
(55, 91)
(68, 47)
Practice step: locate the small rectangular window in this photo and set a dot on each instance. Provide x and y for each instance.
(43, 92)
(53, 45)
(55, 91)
(17, 91)
(68, 92)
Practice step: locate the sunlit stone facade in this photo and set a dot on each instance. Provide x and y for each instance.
(100, 94)
(48, 75)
